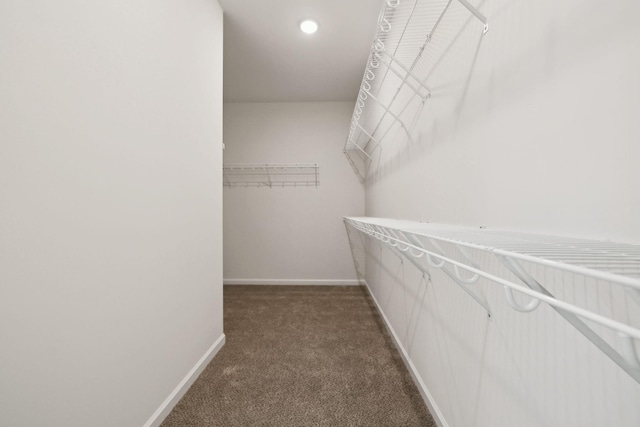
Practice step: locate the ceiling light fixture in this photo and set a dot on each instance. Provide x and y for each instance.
(309, 26)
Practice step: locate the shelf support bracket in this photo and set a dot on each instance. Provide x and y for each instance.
(630, 364)
(266, 168)
(476, 13)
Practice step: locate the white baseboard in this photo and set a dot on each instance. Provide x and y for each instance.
(426, 395)
(161, 413)
(339, 282)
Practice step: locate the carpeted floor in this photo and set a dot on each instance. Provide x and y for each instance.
(302, 356)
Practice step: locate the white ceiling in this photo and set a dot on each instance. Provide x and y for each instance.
(268, 59)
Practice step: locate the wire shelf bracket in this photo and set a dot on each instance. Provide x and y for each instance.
(614, 263)
(477, 14)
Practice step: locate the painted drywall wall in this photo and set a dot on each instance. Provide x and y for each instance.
(531, 127)
(110, 206)
(291, 234)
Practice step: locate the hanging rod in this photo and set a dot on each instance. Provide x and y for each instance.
(619, 266)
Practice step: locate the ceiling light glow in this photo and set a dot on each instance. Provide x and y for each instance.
(309, 26)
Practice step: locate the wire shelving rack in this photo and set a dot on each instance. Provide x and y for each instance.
(271, 175)
(396, 78)
(455, 251)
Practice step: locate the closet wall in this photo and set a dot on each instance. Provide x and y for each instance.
(110, 207)
(531, 126)
(534, 127)
(290, 235)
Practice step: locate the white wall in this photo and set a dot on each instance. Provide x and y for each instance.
(538, 133)
(110, 206)
(533, 127)
(289, 235)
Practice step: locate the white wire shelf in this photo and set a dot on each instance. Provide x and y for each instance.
(455, 251)
(405, 51)
(271, 175)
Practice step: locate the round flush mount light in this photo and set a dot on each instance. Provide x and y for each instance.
(309, 26)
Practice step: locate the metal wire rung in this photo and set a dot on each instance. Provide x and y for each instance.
(271, 174)
(406, 238)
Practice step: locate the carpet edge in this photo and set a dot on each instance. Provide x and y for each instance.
(437, 415)
(174, 397)
(290, 282)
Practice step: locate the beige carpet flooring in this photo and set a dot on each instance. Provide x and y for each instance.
(302, 356)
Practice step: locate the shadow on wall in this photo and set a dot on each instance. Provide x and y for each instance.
(446, 66)
(523, 354)
(471, 74)
(431, 309)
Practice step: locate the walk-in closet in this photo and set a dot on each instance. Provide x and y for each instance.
(319, 213)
